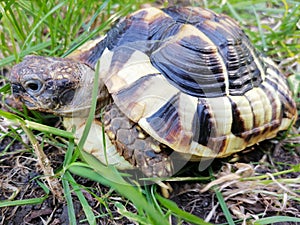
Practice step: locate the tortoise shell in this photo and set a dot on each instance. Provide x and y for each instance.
(193, 81)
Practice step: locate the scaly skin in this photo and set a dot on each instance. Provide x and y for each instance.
(140, 149)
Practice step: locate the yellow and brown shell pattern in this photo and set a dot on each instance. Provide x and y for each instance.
(193, 81)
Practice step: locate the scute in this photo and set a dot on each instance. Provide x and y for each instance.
(203, 77)
(202, 123)
(165, 121)
(192, 80)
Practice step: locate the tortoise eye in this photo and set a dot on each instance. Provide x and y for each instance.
(33, 86)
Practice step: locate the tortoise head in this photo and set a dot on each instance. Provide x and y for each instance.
(55, 85)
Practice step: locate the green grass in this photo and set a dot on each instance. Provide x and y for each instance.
(56, 28)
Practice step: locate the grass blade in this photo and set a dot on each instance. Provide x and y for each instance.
(84, 203)
(276, 219)
(69, 199)
(179, 212)
(224, 206)
(91, 115)
(132, 216)
(31, 201)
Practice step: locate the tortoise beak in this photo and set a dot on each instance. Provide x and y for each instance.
(29, 104)
(17, 90)
(18, 93)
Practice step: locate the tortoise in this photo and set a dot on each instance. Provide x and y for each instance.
(177, 79)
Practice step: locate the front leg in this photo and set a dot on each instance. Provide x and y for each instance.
(137, 147)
